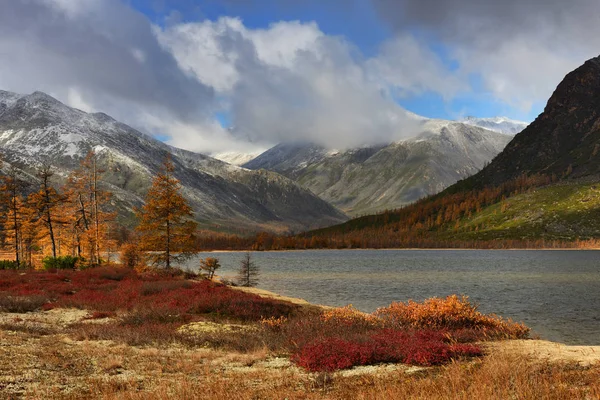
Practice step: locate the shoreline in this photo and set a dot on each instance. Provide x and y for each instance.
(405, 249)
(302, 302)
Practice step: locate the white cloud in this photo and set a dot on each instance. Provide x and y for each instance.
(292, 82)
(75, 100)
(412, 68)
(520, 49)
(98, 55)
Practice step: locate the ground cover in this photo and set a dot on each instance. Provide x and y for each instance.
(111, 330)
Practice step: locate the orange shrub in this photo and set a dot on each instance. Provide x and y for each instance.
(349, 316)
(273, 323)
(454, 313)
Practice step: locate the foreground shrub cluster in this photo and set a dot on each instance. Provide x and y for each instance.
(148, 297)
(150, 308)
(385, 346)
(428, 333)
(454, 313)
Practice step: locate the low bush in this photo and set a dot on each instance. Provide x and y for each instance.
(109, 289)
(131, 256)
(63, 262)
(331, 354)
(350, 316)
(9, 265)
(386, 346)
(151, 288)
(21, 304)
(454, 313)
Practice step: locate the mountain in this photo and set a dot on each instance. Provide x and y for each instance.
(497, 124)
(289, 159)
(374, 178)
(37, 129)
(543, 187)
(237, 158)
(564, 140)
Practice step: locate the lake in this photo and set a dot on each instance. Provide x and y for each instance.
(555, 292)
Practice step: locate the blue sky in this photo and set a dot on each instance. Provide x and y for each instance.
(356, 21)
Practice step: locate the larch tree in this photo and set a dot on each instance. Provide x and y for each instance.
(46, 201)
(11, 189)
(29, 231)
(89, 218)
(248, 272)
(210, 265)
(167, 229)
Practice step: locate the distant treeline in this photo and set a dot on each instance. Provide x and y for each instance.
(429, 223)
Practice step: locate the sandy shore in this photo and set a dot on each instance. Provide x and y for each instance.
(550, 351)
(271, 295)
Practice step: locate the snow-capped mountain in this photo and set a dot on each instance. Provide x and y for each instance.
(237, 157)
(372, 179)
(37, 129)
(497, 124)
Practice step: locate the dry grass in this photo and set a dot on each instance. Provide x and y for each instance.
(149, 351)
(55, 367)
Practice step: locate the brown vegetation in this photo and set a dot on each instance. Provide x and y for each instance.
(37, 362)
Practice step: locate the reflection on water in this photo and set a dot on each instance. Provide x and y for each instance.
(557, 293)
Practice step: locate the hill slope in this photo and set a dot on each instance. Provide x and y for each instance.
(37, 128)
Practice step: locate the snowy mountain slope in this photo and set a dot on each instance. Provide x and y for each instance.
(497, 124)
(237, 158)
(37, 129)
(372, 179)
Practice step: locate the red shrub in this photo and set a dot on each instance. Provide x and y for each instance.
(332, 354)
(385, 346)
(109, 289)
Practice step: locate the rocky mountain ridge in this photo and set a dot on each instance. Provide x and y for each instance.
(497, 124)
(374, 178)
(37, 129)
(563, 141)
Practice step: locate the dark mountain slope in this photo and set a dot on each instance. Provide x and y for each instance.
(564, 140)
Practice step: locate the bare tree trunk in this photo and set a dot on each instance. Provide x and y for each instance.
(16, 228)
(168, 254)
(95, 205)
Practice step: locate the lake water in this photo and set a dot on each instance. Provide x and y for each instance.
(556, 293)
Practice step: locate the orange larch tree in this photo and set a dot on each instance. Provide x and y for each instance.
(89, 218)
(46, 202)
(11, 189)
(167, 229)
